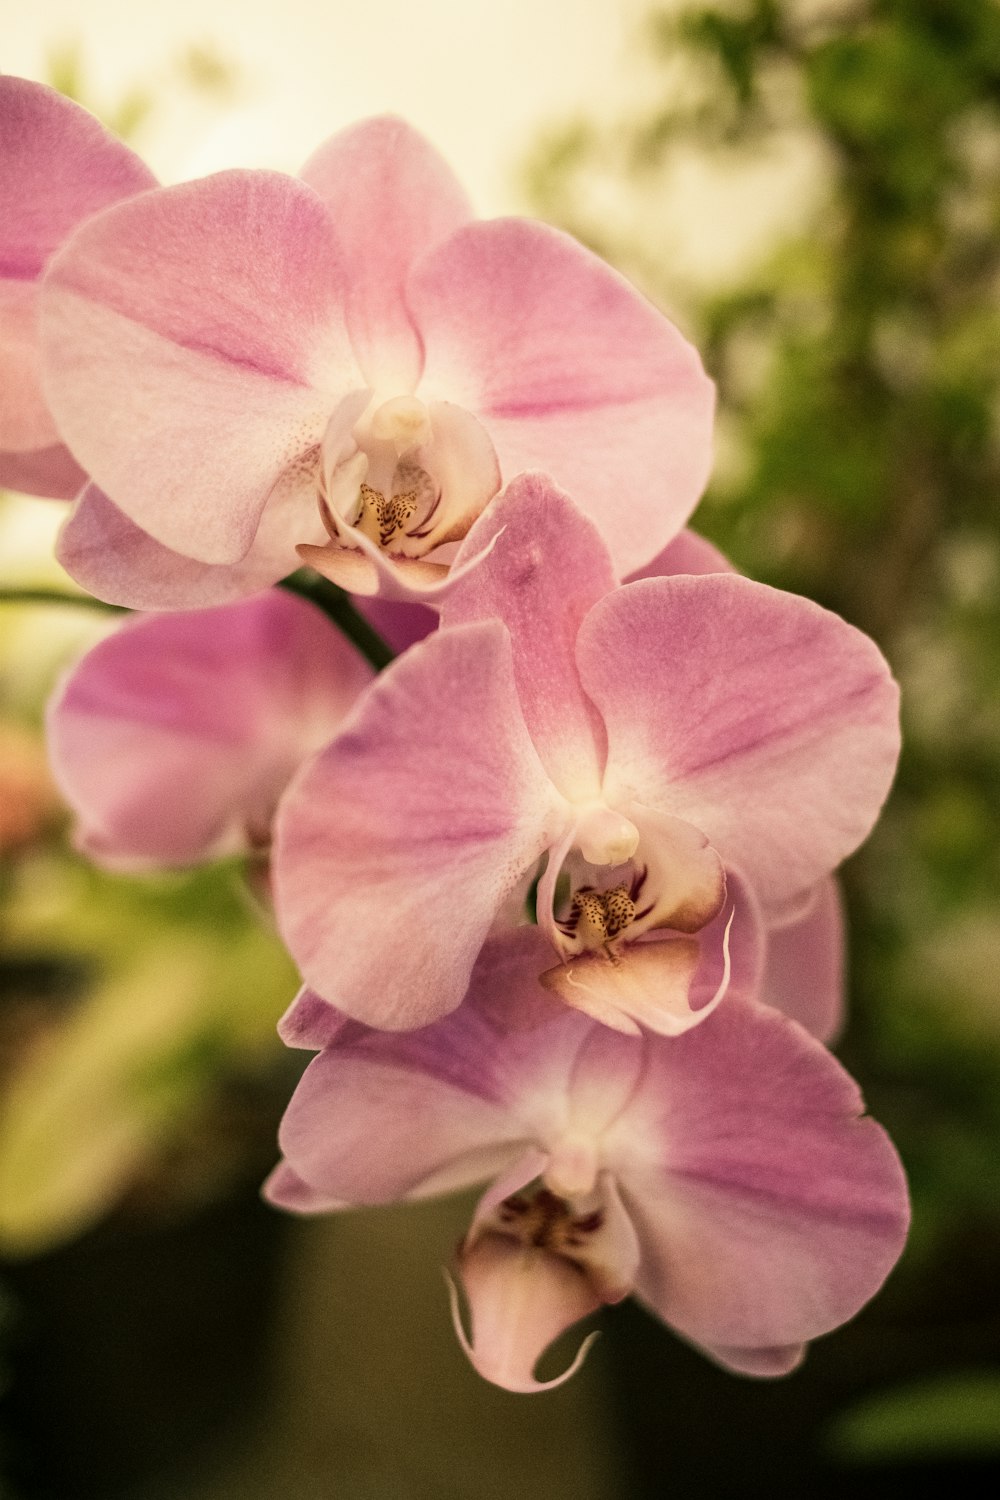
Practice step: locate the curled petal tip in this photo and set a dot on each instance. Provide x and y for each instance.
(496, 1371)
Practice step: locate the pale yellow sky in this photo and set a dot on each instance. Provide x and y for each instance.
(477, 78)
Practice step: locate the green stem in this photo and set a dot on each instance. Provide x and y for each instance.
(338, 607)
(58, 596)
(333, 601)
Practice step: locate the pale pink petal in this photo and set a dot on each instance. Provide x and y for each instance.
(766, 1363)
(687, 553)
(114, 560)
(649, 986)
(520, 1300)
(398, 845)
(52, 472)
(547, 568)
(391, 198)
(60, 165)
(462, 462)
(804, 972)
(196, 349)
(400, 625)
(25, 420)
(767, 1208)
(758, 717)
(570, 370)
(173, 738)
(310, 1023)
(684, 874)
(382, 1116)
(286, 1189)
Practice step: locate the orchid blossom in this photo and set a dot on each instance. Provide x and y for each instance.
(174, 737)
(625, 747)
(59, 167)
(342, 367)
(726, 1176)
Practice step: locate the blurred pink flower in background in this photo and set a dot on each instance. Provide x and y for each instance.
(60, 166)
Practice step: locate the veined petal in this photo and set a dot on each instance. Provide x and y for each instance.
(398, 845)
(391, 198)
(112, 558)
(756, 716)
(196, 348)
(203, 717)
(570, 370)
(804, 969)
(60, 166)
(546, 570)
(767, 1209)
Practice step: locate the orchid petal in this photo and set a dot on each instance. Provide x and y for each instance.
(114, 560)
(682, 869)
(755, 715)
(687, 553)
(286, 1189)
(196, 348)
(398, 845)
(534, 523)
(767, 1210)
(204, 717)
(51, 472)
(60, 166)
(804, 970)
(570, 370)
(391, 198)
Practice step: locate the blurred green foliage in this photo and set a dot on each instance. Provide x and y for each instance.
(858, 367)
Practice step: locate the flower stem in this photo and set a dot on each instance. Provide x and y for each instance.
(339, 607)
(333, 601)
(58, 596)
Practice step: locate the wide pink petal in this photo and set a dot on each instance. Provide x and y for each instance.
(173, 738)
(572, 371)
(196, 348)
(767, 1208)
(547, 568)
(398, 845)
(112, 558)
(25, 420)
(391, 198)
(804, 970)
(51, 472)
(60, 165)
(758, 717)
(383, 1115)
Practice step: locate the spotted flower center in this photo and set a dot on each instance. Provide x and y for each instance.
(596, 918)
(542, 1221)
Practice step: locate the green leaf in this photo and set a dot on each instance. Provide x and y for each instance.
(943, 1417)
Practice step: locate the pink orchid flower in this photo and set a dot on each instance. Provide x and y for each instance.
(340, 367)
(59, 166)
(173, 738)
(645, 740)
(726, 1176)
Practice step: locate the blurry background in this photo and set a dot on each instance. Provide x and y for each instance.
(811, 188)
